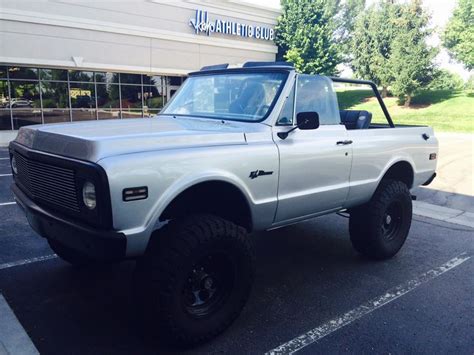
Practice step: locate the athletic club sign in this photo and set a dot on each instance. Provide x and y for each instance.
(202, 24)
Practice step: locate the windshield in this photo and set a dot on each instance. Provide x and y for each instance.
(230, 96)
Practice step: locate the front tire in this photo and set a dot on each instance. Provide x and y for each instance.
(195, 278)
(379, 228)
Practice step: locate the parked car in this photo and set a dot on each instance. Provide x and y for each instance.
(15, 103)
(236, 150)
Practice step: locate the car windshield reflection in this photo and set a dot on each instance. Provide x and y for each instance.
(231, 96)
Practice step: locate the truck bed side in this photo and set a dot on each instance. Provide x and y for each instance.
(375, 151)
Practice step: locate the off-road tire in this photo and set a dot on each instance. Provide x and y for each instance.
(164, 275)
(379, 228)
(69, 255)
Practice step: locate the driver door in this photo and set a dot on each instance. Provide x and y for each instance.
(314, 164)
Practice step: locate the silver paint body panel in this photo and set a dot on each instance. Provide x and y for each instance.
(311, 174)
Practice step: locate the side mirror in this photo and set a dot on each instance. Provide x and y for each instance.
(307, 120)
(304, 121)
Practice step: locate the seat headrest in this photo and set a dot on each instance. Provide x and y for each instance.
(364, 119)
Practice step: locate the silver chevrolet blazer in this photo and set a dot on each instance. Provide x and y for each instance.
(236, 150)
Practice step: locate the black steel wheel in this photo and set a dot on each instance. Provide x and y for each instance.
(379, 228)
(209, 284)
(194, 279)
(392, 220)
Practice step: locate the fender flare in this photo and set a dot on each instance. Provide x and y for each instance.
(188, 181)
(399, 159)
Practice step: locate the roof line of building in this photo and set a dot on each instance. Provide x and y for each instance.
(100, 26)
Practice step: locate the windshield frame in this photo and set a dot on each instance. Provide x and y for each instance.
(233, 71)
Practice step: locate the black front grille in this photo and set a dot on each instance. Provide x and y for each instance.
(51, 184)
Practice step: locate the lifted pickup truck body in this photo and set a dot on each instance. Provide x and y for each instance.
(237, 167)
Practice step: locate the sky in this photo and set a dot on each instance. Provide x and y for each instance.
(441, 11)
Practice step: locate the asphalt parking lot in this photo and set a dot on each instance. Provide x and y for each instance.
(310, 284)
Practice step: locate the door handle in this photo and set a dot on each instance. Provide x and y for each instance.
(344, 142)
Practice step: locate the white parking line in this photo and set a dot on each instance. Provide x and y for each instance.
(325, 329)
(1, 175)
(27, 261)
(13, 338)
(4, 158)
(7, 203)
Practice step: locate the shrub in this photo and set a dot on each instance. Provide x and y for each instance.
(446, 80)
(470, 83)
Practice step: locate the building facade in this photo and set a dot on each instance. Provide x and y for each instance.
(70, 60)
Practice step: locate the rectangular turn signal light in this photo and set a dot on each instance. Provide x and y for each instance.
(135, 193)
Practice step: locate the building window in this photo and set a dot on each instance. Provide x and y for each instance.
(130, 79)
(108, 101)
(83, 101)
(55, 100)
(21, 73)
(81, 76)
(154, 98)
(5, 112)
(154, 94)
(176, 80)
(131, 99)
(25, 103)
(53, 74)
(3, 72)
(45, 95)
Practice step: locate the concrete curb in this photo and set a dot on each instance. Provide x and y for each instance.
(443, 213)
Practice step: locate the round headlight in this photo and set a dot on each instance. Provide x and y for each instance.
(14, 167)
(88, 195)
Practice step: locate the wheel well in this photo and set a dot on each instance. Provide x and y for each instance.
(401, 171)
(216, 197)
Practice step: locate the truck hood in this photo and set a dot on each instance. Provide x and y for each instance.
(96, 140)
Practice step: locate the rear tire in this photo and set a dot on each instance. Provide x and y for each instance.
(379, 228)
(194, 279)
(69, 255)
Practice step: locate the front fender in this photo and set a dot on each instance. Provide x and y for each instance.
(191, 180)
(169, 173)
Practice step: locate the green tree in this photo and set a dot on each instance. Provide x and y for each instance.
(445, 80)
(411, 59)
(346, 18)
(458, 37)
(374, 33)
(305, 35)
(470, 83)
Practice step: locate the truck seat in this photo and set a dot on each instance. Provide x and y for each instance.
(356, 119)
(250, 99)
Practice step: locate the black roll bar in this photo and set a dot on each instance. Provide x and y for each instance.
(374, 89)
